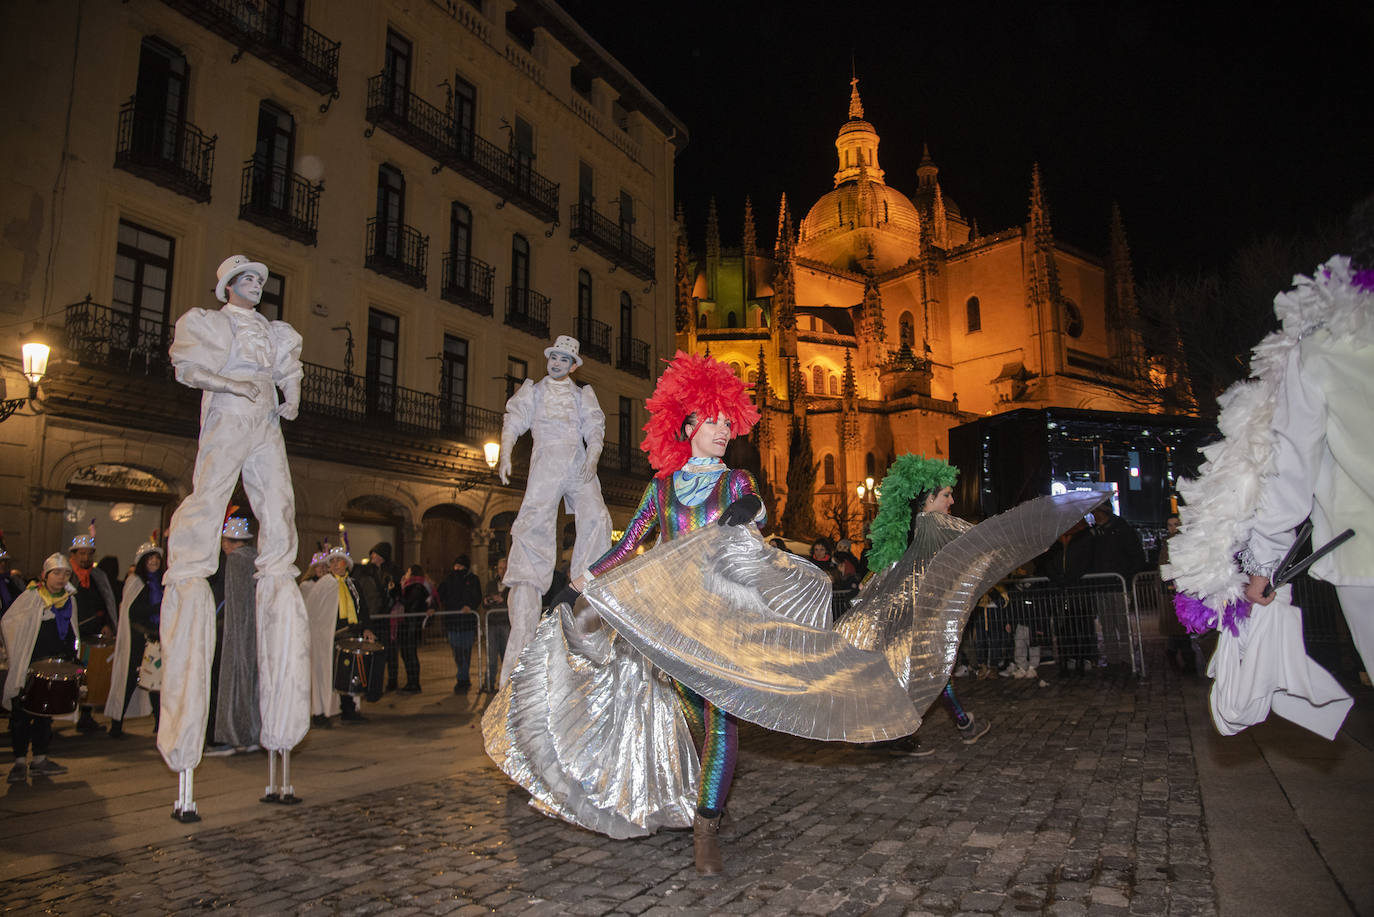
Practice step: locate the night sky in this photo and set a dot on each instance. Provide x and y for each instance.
(1210, 124)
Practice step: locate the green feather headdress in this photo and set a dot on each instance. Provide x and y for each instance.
(909, 476)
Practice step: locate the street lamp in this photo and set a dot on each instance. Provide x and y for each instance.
(35, 352)
(492, 451)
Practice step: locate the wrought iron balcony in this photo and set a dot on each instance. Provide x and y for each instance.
(165, 149)
(275, 34)
(528, 311)
(278, 199)
(595, 338)
(633, 357)
(341, 396)
(611, 241)
(432, 131)
(467, 282)
(398, 251)
(408, 117)
(98, 336)
(625, 459)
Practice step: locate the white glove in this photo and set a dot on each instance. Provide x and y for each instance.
(291, 403)
(288, 410)
(503, 470)
(589, 466)
(242, 388)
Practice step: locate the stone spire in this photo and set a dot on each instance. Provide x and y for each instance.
(762, 432)
(749, 243)
(712, 231)
(784, 227)
(682, 274)
(849, 406)
(927, 173)
(857, 144)
(939, 230)
(1045, 296)
(1123, 314)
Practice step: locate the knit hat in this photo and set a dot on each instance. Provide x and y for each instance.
(383, 550)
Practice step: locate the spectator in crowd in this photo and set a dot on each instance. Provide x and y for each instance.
(418, 602)
(1067, 561)
(1028, 633)
(237, 722)
(11, 587)
(846, 582)
(145, 617)
(461, 592)
(377, 582)
(40, 624)
(498, 625)
(109, 565)
(96, 608)
(351, 615)
(127, 698)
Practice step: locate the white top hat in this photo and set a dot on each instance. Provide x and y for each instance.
(233, 266)
(56, 561)
(236, 529)
(566, 343)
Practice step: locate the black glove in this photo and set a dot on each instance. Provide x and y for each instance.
(566, 596)
(743, 510)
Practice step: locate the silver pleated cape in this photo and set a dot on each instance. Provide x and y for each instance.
(591, 726)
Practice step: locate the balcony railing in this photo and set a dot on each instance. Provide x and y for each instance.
(528, 311)
(625, 459)
(278, 199)
(433, 132)
(595, 338)
(611, 241)
(633, 357)
(332, 393)
(165, 149)
(110, 339)
(467, 282)
(397, 251)
(273, 33)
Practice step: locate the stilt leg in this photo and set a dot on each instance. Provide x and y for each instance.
(185, 809)
(288, 794)
(271, 794)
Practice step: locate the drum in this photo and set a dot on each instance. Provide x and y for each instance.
(53, 687)
(359, 668)
(98, 658)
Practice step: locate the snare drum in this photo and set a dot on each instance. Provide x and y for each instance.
(53, 687)
(98, 657)
(359, 668)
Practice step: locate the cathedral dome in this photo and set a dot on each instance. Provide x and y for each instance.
(862, 204)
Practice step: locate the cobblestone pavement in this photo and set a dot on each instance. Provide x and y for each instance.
(1082, 800)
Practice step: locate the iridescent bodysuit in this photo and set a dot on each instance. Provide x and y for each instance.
(674, 506)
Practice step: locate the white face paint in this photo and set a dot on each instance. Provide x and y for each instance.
(560, 364)
(246, 286)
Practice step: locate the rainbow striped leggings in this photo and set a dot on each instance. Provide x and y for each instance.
(719, 748)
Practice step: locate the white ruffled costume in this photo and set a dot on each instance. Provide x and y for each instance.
(237, 436)
(568, 427)
(1298, 442)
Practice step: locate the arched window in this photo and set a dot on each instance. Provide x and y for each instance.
(834, 385)
(753, 375)
(906, 330)
(701, 320)
(829, 463)
(975, 315)
(869, 465)
(736, 369)
(1074, 325)
(584, 300)
(520, 271)
(818, 380)
(731, 320)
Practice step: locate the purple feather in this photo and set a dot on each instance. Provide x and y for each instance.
(1198, 617)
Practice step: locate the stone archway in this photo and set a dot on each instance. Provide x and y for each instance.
(445, 532)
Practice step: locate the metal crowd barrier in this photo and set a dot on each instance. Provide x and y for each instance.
(492, 628)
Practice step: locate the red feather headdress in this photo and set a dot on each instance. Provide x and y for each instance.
(692, 384)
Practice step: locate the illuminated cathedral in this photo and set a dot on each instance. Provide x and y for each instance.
(884, 319)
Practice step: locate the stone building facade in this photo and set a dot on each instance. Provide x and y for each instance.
(883, 319)
(440, 187)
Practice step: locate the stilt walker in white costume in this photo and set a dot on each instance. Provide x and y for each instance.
(1298, 445)
(569, 428)
(239, 360)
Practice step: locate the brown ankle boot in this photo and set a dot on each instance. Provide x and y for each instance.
(707, 845)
